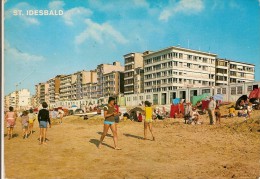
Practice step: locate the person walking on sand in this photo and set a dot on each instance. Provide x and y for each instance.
(109, 115)
(10, 118)
(148, 119)
(25, 124)
(43, 118)
(211, 110)
(32, 118)
(61, 114)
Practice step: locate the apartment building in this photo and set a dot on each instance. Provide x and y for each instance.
(72, 86)
(18, 99)
(24, 96)
(10, 100)
(175, 67)
(232, 72)
(54, 90)
(113, 83)
(89, 90)
(133, 73)
(41, 93)
(102, 70)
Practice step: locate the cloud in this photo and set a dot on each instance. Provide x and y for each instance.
(99, 32)
(18, 55)
(183, 6)
(29, 20)
(75, 13)
(56, 5)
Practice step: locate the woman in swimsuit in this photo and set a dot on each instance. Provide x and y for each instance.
(109, 115)
(148, 119)
(10, 118)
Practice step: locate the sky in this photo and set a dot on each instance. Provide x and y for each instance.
(92, 32)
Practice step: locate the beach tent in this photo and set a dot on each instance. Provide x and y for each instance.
(243, 97)
(196, 99)
(255, 93)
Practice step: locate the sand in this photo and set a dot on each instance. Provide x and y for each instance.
(230, 150)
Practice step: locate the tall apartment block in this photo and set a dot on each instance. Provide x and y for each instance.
(54, 90)
(175, 67)
(72, 86)
(42, 93)
(232, 72)
(113, 83)
(133, 74)
(102, 70)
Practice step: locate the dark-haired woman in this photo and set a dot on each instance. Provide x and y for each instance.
(43, 118)
(109, 115)
(10, 118)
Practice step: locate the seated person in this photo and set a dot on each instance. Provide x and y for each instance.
(194, 116)
(232, 111)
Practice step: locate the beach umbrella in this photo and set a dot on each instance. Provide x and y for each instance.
(255, 93)
(218, 97)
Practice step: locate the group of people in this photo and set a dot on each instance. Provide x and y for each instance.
(245, 109)
(27, 120)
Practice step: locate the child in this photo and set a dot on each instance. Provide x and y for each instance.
(194, 116)
(25, 123)
(32, 118)
(10, 118)
(140, 117)
(232, 111)
(218, 115)
(148, 119)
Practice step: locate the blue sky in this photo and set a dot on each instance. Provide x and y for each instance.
(92, 32)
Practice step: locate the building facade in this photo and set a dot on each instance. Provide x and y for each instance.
(113, 83)
(102, 70)
(133, 74)
(232, 72)
(175, 68)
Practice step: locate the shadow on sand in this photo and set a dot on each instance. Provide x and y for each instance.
(134, 136)
(108, 135)
(96, 142)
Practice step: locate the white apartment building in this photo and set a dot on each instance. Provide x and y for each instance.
(22, 102)
(133, 74)
(175, 67)
(233, 72)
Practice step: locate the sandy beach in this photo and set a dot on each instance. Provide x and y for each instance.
(231, 150)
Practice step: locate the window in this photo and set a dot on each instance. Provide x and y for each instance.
(224, 91)
(249, 88)
(233, 90)
(205, 91)
(219, 91)
(239, 90)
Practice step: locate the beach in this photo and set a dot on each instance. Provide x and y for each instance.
(229, 150)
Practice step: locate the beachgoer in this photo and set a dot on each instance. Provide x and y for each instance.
(43, 118)
(217, 115)
(32, 118)
(194, 115)
(109, 115)
(25, 124)
(211, 108)
(140, 117)
(61, 114)
(148, 119)
(187, 112)
(232, 111)
(10, 118)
